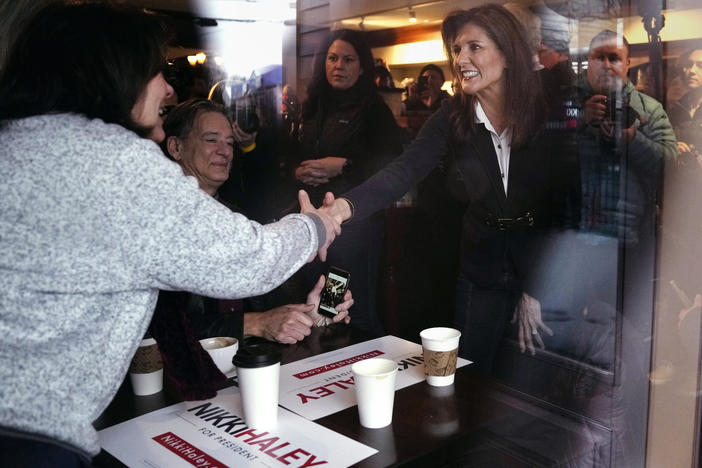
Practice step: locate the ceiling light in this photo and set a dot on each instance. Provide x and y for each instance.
(412, 16)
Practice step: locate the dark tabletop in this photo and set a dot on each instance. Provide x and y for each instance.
(477, 422)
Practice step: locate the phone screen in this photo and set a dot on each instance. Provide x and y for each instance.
(333, 293)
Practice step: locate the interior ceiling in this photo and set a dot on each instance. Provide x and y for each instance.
(196, 23)
(192, 33)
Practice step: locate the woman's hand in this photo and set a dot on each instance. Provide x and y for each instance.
(528, 314)
(697, 304)
(242, 138)
(313, 299)
(683, 147)
(315, 172)
(337, 208)
(332, 227)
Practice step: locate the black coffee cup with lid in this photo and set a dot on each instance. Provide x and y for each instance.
(258, 374)
(254, 355)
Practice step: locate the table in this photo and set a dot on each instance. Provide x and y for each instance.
(477, 422)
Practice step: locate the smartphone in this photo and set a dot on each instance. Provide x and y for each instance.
(335, 287)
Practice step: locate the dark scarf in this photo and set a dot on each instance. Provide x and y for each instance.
(189, 368)
(690, 99)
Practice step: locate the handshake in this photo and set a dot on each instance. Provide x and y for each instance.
(332, 212)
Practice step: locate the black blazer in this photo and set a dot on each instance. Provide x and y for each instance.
(474, 178)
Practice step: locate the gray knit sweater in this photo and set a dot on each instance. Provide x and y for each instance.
(93, 222)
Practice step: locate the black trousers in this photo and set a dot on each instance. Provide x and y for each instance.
(481, 315)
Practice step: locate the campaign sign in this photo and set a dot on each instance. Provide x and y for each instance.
(323, 384)
(212, 434)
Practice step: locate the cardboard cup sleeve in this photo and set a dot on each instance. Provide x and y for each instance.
(440, 363)
(146, 360)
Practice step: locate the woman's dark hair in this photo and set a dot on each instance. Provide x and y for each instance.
(91, 58)
(525, 107)
(319, 86)
(685, 56)
(432, 67)
(180, 120)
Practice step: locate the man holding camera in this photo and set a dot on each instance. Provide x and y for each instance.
(624, 137)
(426, 94)
(620, 141)
(618, 115)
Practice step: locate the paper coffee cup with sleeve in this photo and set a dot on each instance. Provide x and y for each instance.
(440, 345)
(146, 368)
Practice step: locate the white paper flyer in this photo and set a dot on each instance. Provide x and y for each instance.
(212, 434)
(321, 385)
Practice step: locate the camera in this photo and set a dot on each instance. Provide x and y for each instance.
(422, 84)
(619, 112)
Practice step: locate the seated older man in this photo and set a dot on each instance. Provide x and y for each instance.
(199, 138)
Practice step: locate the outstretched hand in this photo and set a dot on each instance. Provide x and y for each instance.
(332, 227)
(528, 314)
(337, 208)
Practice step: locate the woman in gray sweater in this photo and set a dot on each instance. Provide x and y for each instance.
(94, 221)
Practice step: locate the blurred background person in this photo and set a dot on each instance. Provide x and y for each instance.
(383, 78)
(532, 26)
(685, 113)
(290, 111)
(347, 134)
(426, 94)
(557, 76)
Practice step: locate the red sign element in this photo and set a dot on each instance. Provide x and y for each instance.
(335, 365)
(187, 452)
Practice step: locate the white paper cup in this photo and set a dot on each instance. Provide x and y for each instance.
(147, 384)
(221, 349)
(146, 368)
(374, 380)
(258, 372)
(440, 345)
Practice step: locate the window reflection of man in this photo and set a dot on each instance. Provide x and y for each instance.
(608, 65)
(615, 192)
(620, 127)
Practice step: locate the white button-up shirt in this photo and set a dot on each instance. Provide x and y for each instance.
(502, 143)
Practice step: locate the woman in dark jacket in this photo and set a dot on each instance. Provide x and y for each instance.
(348, 133)
(489, 135)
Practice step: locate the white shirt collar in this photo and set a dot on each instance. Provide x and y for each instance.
(481, 117)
